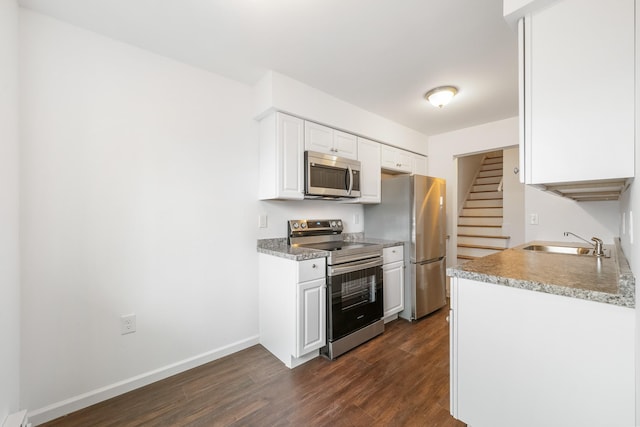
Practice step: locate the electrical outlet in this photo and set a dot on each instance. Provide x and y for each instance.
(356, 218)
(127, 324)
(262, 221)
(533, 219)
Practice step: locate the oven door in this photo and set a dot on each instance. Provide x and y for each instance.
(354, 293)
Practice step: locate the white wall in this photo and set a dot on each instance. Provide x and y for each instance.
(276, 91)
(279, 212)
(514, 206)
(556, 214)
(9, 223)
(467, 170)
(139, 196)
(629, 229)
(442, 153)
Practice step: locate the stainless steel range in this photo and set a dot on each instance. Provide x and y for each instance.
(354, 283)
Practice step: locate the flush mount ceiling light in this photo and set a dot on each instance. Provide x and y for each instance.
(440, 96)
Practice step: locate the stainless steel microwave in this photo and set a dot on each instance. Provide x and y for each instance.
(330, 176)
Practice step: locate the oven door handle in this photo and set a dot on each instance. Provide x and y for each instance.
(354, 266)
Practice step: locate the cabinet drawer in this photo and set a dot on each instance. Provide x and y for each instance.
(311, 269)
(392, 254)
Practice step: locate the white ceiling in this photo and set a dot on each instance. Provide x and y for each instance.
(381, 55)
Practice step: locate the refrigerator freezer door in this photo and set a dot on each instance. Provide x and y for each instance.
(429, 233)
(429, 282)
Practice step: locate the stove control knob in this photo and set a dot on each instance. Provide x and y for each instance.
(333, 224)
(295, 225)
(339, 223)
(303, 225)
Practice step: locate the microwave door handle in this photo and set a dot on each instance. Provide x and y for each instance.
(350, 180)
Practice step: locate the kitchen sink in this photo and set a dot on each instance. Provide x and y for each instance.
(567, 250)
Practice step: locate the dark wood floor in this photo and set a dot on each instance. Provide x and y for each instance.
(400, 378)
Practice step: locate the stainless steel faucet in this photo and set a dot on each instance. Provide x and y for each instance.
(597, 243)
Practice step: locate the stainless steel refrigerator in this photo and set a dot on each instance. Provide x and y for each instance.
(413, 210)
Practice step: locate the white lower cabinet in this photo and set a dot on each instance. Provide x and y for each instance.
(525, 358)
(393, 281)
(311, 316)
(292, 299)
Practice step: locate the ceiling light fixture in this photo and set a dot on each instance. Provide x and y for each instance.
(440, 96)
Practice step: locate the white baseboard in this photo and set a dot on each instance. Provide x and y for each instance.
(84, 400)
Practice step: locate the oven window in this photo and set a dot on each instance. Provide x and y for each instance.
(357, 291)
(355, 300)
(329, 177)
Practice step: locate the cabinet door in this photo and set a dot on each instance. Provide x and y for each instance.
(370, 176)
(579, 75)
(420, 165)
(396, 160)
(318, 138)
(290, 141)
(393, 288)
(311, 316)
(345, 144)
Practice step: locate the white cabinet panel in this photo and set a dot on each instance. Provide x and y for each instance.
(324, 139)
(370, 175)
(578, 59)
(311, 316)
(393, 280)
(420, 165)
(281, 157)
(396, 160)
(292, 300)
(530, 359)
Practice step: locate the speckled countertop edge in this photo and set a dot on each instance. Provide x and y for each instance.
(279, 247)
(625, 295)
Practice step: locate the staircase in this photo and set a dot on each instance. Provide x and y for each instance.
(480, 219)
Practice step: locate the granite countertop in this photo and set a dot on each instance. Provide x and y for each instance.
(279, 247)
(607, 280)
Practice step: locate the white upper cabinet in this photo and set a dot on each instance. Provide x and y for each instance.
(324, 139)
(420, 165)
(370, 176)
(396, 160)
(281, 157)
(577, 92)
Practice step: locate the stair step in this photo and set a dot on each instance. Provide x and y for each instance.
(484, 241)
(476, 251)
(488, 203)
(488, 180)
(495, 221)
(491, 167)
(485, 195)
(493, 248)
(485, 174)
(483, 230)
(484, 235)
(491, 160)
(482, 211)
(484, 187)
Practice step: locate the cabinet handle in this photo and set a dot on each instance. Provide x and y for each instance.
(393, 251)
(314, 266)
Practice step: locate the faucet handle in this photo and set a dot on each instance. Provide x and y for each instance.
(598, 246)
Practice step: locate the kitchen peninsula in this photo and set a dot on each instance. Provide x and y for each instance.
(543, 339)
